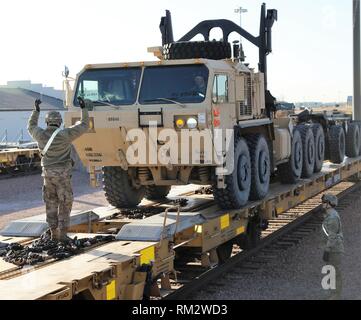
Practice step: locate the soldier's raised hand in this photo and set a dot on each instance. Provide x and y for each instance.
(81, 102)
(37, 105)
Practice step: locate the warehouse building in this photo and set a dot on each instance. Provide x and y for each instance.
(16, 105)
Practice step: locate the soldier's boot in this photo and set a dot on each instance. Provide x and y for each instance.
(63, 235)
(54, 234)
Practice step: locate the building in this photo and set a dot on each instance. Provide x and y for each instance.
(35, 87)
(349, 101)
(15, 108)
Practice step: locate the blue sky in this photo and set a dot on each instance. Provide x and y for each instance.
(312, 40)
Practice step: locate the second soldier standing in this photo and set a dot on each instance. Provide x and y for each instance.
(334, 248)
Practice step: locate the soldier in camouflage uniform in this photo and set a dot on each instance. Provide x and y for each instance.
(334, 248)
(57, 166)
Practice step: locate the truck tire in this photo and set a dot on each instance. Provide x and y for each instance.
(309, 155)
(156, 192)
(118, 189)
(319, 136)
(214, 50)
(260, 164)
(337, 144)
(238, 183)
(353, 140)
(290, 172)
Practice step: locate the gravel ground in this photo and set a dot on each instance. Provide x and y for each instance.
(296, 273)
(21, 197)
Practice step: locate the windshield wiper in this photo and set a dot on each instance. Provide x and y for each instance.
(166, 99)
(106, 103)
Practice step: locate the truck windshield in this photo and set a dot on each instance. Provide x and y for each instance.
(118, 86)
(182, 83)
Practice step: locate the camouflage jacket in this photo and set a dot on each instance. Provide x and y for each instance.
(332, 230)
(59, 153)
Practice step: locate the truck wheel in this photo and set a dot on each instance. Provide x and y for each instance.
(238, 183)
(261, 166)
(290, 172)
(215, 50)
(337, 144)
(119, 190)
(224, 251)
(252, 237)
(353, 140)
(156, 192)
(319, 136)
(308, 145)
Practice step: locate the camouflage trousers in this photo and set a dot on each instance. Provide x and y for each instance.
(58, 198)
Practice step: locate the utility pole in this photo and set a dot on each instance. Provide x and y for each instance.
(356, 62)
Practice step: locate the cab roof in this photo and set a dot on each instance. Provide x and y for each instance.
(225, 65)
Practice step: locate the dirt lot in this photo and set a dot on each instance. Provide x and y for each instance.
(21, 197)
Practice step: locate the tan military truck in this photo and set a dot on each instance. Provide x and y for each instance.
(193, 88)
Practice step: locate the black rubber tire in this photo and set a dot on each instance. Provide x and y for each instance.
(260, 164)
(337, 144)
(214, 50)
(238, 183)
(156, 192)
(353, 140)
(118, 189)
(320, 146)
(224, 251)
(252, 237)
(309, 154)
(290, 172)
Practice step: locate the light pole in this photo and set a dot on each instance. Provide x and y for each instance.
(240, 10)
(356, 62)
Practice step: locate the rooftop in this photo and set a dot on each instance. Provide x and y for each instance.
(12, 99)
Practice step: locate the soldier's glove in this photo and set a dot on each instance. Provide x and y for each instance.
(37, 105)
(81, 102)
(326, 256)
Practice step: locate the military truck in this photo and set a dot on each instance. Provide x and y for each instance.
(194, 87)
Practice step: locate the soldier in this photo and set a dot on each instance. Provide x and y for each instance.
(55, 146)
(199, 86)
(332, 230)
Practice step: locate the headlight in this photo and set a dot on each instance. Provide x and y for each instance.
(192, 123)
(179, 123)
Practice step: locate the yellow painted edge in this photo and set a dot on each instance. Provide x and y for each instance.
(147, 255)
(224, 221)
(111, 293)
(280, 210)
(240, 230)
(198, 228)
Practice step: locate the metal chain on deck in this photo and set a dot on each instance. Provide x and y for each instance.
(44, 249)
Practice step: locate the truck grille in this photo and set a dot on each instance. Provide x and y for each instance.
(245, 107)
